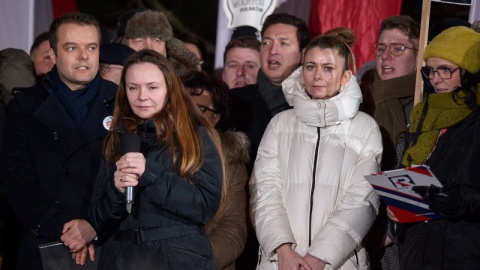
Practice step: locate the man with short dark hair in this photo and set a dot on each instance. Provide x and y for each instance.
(51, 148)
(241, 61)
(283, 39)
(389, 99)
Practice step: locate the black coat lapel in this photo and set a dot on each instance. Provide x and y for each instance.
(101, 110)
(52, 114)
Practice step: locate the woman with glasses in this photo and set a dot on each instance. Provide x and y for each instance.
(175, 165)
(310, 203)
(445, 129)
(227, 230)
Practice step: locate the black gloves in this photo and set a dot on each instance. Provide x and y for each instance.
(446, 203)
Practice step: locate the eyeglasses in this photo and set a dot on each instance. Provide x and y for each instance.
(396, 49)
(107, 67)
(204, 109)
(443, 72)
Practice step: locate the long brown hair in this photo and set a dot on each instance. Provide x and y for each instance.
(176, 124)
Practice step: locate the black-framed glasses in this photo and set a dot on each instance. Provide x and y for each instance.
(204, 109)
(107, 67)
(443, 72)
(396, 49)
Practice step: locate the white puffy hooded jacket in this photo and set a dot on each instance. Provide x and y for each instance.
(307, 186)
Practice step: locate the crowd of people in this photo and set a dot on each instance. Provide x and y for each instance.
(131, 146)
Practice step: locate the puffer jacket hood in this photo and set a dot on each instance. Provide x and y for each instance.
(321, 112)
(16, 70)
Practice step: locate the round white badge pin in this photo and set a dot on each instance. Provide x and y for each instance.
(107, 122)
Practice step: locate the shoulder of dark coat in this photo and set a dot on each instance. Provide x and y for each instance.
(106, 84)
(28, 99)
(244, 91)
(109, 98)
(248, 93)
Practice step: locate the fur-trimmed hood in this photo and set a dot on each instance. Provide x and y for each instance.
(235, 146)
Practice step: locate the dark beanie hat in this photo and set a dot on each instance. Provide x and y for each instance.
(115, 53)
(124, 18)
(444, 24)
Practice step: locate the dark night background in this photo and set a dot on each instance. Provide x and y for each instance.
(200, 17)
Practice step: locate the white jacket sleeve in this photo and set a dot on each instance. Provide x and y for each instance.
(353, 217)
(268, 214)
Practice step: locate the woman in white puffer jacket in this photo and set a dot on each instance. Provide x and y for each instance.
(310, 204)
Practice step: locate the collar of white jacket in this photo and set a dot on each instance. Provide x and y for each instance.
(322, 112)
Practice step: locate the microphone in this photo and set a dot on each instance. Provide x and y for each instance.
(129, 142)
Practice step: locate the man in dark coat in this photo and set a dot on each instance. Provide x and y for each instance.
(283, 38)
(52, 143)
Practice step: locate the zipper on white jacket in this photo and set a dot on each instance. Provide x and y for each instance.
(313, 188)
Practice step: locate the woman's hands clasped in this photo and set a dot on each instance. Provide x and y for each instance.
(130, 167)
(289, 259)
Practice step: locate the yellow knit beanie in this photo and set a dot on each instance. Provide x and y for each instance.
(459, 45)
